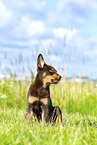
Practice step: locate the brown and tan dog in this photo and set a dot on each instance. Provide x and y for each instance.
(39, 102)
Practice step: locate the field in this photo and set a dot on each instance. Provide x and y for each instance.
(78, 102)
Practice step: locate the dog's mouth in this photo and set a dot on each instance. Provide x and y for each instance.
(55, 81)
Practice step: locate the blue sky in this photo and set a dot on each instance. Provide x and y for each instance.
(32, 27)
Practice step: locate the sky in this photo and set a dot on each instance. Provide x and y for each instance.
(64, 31)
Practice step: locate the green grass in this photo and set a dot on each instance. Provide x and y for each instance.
(78, 102)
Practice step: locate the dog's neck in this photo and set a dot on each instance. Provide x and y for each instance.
(37, 82)
(41, 90)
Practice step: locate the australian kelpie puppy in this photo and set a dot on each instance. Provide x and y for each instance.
(39, 102)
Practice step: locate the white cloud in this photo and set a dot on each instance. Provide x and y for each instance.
(62, 32)
(35, 5)
(86, 47)
(76, 12)
(47, 43)
(29, 42)
(28, 27)
(5, 15)
(51, 18)
(54, 58)
(83, 4)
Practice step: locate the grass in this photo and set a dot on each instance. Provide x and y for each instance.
(78, 102)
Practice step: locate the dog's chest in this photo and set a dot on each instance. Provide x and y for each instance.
(33, 99)
(41, 96)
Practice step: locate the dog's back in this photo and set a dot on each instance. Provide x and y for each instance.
(39, 101)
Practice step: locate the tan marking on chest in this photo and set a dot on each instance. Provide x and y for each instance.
(44, 101)
(32, 99)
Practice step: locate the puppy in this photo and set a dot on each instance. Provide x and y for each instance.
(39, 104)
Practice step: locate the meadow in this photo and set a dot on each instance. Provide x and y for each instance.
(77, 100)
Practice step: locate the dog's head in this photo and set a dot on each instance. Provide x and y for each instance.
(47, 74)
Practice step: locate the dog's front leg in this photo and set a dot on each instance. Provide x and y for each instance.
(44, 114)
(29, 113)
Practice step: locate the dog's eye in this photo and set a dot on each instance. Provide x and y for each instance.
(51, 71)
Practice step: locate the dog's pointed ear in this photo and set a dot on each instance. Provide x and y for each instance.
(40, 62)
